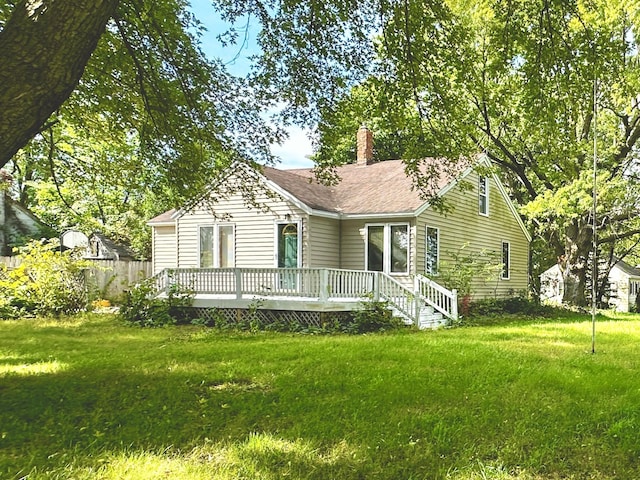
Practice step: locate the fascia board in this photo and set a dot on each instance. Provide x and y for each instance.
(161, 224)
(366, 216)
(511, 206)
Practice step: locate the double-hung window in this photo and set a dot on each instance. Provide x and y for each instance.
(388, 248)
(432, 251)
(217, 246)
(483, 195)
(506, 261)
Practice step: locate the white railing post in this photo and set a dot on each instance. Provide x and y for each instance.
(376, 286)
(324, 285)
(166, 281)
(238, 275)
(454, 304)
(417, 301)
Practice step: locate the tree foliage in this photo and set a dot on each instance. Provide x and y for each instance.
(149, 125)
(515, 80)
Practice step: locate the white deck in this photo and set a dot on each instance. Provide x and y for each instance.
(307, 289)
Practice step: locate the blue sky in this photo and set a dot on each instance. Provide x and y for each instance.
(295, 150)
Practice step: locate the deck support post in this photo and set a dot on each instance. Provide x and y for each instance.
(238, 274)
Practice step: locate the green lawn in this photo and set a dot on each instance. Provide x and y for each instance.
(90, 398)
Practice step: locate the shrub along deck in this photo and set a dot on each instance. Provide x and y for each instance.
(89, 398)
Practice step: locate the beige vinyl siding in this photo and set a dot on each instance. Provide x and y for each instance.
(164, 247)
(255, 230)
(353, 246)
(324, 242)
(466, 225)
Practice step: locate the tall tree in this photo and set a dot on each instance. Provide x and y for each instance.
(136, 65)
(515, 79)
(143, 121)
(44, 47)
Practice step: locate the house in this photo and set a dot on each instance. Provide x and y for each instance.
(96, 246)
(624, 286)
(372, 221)
(18, 225)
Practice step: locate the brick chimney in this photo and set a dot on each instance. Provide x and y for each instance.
(364, 146)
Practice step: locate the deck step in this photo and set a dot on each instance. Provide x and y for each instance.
(429, 318)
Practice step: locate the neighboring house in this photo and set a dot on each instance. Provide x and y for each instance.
(18, 225)
(96, 246)
(624, 283)
(373, 220)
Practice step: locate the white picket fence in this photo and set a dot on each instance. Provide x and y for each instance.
(109, 278)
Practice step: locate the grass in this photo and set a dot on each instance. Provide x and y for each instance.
(89, 398)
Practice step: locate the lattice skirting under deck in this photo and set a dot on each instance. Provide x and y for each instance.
(264, 318)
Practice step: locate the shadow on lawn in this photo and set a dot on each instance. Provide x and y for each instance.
(44, 415)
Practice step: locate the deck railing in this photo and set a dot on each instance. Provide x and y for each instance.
(322, 284)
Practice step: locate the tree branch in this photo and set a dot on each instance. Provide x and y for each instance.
(44, 48)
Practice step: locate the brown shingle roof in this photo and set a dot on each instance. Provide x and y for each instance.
(165, 217)
(382, 187)
(378, 188)
(302, 185)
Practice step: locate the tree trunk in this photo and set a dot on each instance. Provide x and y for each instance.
(44, 48)
(574, 262)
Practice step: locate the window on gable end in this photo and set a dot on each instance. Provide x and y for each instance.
(483, 195)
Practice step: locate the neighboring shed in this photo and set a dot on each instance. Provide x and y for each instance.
(96, 246)
(624, 282)
(625, 286)
(18, 225)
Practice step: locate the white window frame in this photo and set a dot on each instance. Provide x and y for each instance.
(216, 244)
(386, 248)
(426, 249)
(483, 181)
(505, 268)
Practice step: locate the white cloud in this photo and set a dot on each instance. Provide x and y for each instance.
(295, 151)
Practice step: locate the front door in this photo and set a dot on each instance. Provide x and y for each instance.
(288, 251)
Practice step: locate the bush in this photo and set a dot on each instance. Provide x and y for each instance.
(518, 304)
(47, 282)
(142, 307)
(373, 317)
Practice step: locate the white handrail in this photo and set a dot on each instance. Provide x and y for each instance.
(440, 298)
(399, 297)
